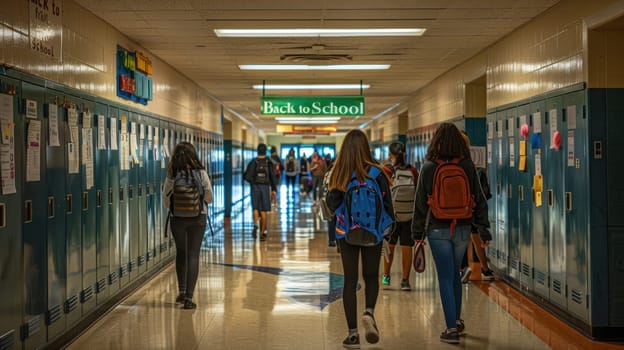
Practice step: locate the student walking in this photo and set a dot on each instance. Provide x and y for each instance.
(260, 175)
(292, 169)
(186, 192)
(449, 233)
(404, 180)
(318, 168)
(355, 165)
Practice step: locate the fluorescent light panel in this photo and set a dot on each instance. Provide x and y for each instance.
(305, 120)
(313, 67)
(310, 86)
(318, 32)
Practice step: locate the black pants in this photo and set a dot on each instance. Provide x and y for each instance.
(188, 234)
(350, 255)
(290, 180)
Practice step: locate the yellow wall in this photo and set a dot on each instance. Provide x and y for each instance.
(606, 59)
(89, 47)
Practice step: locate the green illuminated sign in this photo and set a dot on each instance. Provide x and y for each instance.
(313, 105)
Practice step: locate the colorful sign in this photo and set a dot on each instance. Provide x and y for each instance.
(313, 105)
(133, 76)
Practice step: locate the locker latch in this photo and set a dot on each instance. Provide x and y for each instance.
(28, 216)
(51, 209)
(597, 149)
(68, 203)
(98, 198)
(2, 215)
(551, 198)
(568, 203)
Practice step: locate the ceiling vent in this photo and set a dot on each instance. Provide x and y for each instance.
(315, 58)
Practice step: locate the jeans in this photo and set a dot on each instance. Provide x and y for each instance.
(448, 251)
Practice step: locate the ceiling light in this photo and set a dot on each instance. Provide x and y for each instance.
(313, 67)
(310, 86)
(305, 120)
(318, 32)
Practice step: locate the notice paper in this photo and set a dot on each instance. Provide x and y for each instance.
(101, 142)
(72, 117)
(53, 128)
(113, 133)
(7, 164)
(87, 155)
(6, 117)
(33, 151)
(512, 152)
(31, 109)
(72, 158)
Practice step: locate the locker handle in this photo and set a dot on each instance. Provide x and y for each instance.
(121, 194)
(140, 190)
(148, 188)
(28, 217)
(568, 197)
(110, 196)
(68, 203)
(521, 192)
(51, 209)
(2, 215)
(551, 198)
(509, 190)
(130, 192)
(85, 200)
(98, 198)
(499, 188)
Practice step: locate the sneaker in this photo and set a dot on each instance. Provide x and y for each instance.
(332, 243)
(352, 341)
(370, 328)
(385, 280)
(465, 275)
(460, 326)
(180, 298)
(487, 275)
(189, 304)
(450, 336)
(405, 285)
(263, 236)
(254, 233)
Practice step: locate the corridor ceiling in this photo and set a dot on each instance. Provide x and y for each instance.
(181, 32)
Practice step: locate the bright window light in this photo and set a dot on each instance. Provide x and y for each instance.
(318, 32)
(305, 120)
(310, 86)
(313, 67)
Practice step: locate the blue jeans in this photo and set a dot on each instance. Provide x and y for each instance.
(448, 252)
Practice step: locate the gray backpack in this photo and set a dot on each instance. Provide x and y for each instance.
(187, 196)
(403, 193)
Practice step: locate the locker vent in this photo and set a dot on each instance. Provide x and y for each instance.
(540, 277)
(556, 286)
(526, 270)
(53, 315)
(148, 255)
(515, 264)
(163, 247)
(141, 260)
(577, 296)
(7, 340)
(31, 327)
(112, 277)
(71, 304)
(131, 265)
(100, 285)
(123, 270)
(86, 294)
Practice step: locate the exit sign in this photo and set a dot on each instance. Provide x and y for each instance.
(313, 105)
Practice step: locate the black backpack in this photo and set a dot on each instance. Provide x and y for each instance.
(290, 165)
(262, 171)
(187, 196)
(304, 165)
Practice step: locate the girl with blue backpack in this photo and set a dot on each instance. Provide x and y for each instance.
(359, 194)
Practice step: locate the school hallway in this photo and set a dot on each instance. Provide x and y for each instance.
(285, 293)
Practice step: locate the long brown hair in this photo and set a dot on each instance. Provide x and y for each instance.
(184, 157)
(355, 155)
(447, 143)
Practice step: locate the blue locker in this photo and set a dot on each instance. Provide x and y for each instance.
(124, 200)
(524, 185)
(133, 199)
(511, 192)
(159, 177)
(102, 206)
(148, 163)
(113, 202)
(502, 211)
(141, 197)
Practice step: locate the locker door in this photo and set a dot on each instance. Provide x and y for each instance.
(492, 250)
(502, 211)
(140, 195)
(102, 207)
(11, 249)
(524, 185)
(554, 180)
(576, 204)
(70, 113)
(88, 205)
(159, 176)
(148, 163)
(113, 199)
(133, 198)
(511, 192)
(124, 200)
(55, 209)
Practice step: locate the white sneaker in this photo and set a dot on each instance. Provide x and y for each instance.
(371, 333)
(465, 276)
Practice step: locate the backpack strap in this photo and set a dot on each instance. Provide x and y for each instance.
(200, 185)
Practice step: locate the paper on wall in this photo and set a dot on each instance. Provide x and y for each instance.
(53, 128)
(72, 157)
(113, 133)
(157, 148)
(537, 122)
(489, 151)
(571, 148)
(31, 109)
(87, 155)
(6, 117)
(7, 164)
(511, 128)
(571, 115)
(141, 132)
(512, 152)
(72, 117)
(101, 132)
(33, 151)
(87, 120)
(538, 164)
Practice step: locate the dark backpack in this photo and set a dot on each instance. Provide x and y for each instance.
(485, 183)
(303, 165)
(403, 193)
(277, 168)
(362, 219)
(262, 171)
(290, 165)
(451, 197)
(187, 196)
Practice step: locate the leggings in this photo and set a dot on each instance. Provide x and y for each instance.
(188, 234)
(350, 255)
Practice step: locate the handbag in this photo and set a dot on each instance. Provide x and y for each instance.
(419, 257)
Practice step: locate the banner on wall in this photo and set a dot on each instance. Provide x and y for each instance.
(46, 28)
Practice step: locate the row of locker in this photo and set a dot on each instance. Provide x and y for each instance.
(81, 204)
(555, 209)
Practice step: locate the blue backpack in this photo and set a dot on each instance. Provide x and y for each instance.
(361, 219)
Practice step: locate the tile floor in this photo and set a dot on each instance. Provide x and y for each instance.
(285, 293)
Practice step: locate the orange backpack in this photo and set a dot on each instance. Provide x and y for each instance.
(451, 198)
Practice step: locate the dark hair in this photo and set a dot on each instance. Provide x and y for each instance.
(262, 149)
(355, 155)
(397, 149)
(273, 149)
(184, 157)
(447, 143)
